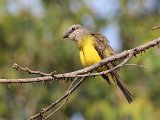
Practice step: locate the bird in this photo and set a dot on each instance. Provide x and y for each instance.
(94, 47)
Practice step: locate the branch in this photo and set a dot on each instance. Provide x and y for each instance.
(79, 73)
(67, 97)
(25, 69)
(42, 113)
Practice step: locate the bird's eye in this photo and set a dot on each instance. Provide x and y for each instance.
(73, 28)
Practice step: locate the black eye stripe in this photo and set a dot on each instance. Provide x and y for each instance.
(73, 29)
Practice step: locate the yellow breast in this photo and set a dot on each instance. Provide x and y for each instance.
(88, 53)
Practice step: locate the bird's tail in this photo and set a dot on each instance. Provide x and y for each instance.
(124, 90)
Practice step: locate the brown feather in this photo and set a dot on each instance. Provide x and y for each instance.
(106, 78)
(101, 44)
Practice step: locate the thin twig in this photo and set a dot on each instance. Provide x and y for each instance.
(26, 80)
(137, 65)
(58, 101)
(156, 27)
(68, 91)
(25, 69)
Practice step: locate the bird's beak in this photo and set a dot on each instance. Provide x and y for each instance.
(65, 35)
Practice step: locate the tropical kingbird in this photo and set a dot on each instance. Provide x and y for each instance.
(93, 47)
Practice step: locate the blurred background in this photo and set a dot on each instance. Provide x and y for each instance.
(31, 35)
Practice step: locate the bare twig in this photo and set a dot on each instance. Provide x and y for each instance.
(156, 27)
(25, 69)
(136, 65)
(67, 97)
(26, 80)
(57, 101)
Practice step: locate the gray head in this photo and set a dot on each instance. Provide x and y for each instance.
(75, 31)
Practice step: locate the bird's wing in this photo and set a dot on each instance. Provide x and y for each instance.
(104, 50)
(102, 46)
